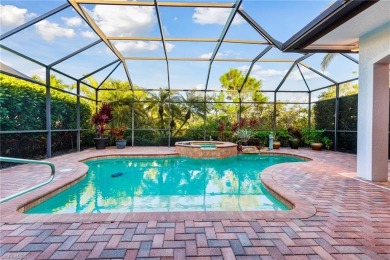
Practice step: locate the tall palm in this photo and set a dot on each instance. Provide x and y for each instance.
(54, 81)
(87, 91)
(158, 103)
(328, 58)
(194, 106)
(122, 100)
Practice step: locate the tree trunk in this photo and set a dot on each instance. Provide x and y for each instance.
(186, 118)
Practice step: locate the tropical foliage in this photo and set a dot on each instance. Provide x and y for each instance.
(244, 134)
(154, 115)
(23, 107)
(102, 118)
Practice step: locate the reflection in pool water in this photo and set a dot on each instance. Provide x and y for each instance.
(169, 184)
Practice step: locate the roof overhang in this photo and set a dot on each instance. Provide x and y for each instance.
(331, 30)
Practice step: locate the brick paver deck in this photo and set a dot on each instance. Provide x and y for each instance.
(336, 216)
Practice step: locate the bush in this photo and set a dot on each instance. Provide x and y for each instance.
(86, 138)
(282, 136)
(312, 136)
(23, 107)
(178, 139)
(324, 118)
(29, 145)
(263, 137)
(147, 138)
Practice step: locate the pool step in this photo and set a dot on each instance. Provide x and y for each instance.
(250, 150)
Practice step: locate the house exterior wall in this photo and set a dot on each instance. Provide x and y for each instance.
(373, 104)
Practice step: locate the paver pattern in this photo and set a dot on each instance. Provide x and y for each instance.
(351, 220)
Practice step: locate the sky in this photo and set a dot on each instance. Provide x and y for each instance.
(66, 32)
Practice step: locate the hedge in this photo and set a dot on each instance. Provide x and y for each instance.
(324, 118)
(23, 107)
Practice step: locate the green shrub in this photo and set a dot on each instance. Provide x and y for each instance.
(282, 136)
(263, 137)
(23, 107)
(86, 138)
(312, 136)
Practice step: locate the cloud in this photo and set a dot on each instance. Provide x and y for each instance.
(244, 68)
(13, 16)
(308, 74)
(259, 73)
(88, 34)
(41, 72)
(198, 86)
(165, 31)
(221, 54)
(72, 21)
(48, 31)
(139, 46)
(229, 54)
(124, 21)
(219, 16)
(208, 55)
(169, 46)
(136, 46)
(262, 74)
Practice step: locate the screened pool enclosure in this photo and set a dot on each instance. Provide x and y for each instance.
(171, 70)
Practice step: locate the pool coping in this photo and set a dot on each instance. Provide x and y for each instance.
(12, 211)
(219, 144)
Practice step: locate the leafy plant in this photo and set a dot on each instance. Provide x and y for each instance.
(294, 132)
(262, 136)
(102, 118)
(327, 142)
(314, 136)
(281, 134)
(244, 134)
(23, 107)
(117, 133)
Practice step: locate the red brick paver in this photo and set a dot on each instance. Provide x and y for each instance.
(351, 218)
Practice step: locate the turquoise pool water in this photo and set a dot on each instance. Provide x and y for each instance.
(169, 184)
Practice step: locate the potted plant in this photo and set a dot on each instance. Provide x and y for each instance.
(262, 137)
(295, 136)
(327, 142)
(244, 135)
(100, 120)
(276, 143)
(282, 136)
(314, 138)
(118, 133)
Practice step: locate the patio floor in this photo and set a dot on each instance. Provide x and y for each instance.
(336, 216)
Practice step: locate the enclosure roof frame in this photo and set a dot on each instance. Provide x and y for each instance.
(315, 29)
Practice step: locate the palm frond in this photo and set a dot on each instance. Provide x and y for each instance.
(327, 60)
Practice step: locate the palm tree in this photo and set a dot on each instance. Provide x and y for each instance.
(161, 104)
(194, 107)
(327, 60)
(54, 81)
(158, 103)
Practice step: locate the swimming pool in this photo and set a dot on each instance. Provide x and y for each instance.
(134, 184)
